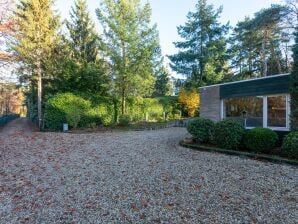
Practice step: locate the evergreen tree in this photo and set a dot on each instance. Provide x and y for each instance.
(163, 86)
(294, 87)
(36, 25)
(132, 46)
(202, 55)
(83, 37)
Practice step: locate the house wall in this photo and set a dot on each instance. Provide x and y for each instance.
(210, 106)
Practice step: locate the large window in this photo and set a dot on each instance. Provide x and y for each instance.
(277, 111)
(259, 111)
(249, 108)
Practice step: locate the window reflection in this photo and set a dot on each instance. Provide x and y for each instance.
(277, 111)
(253, 106)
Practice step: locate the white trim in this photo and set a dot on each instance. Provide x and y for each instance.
(248, 80)
(222, 109)
(265, 111)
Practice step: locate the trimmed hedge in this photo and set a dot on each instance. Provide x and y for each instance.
(81, 110)
(201, 129)
(290, 145)
(261, 140)
(77, 112)
(228, 134)
(7, 118)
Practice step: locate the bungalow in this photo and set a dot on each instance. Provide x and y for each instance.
(260, 102)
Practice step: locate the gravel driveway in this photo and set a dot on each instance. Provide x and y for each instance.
(137, 177)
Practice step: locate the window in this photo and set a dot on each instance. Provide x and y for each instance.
(277, 111)
(250, 108)
(259, 111)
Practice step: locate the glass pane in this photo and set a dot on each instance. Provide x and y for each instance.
(277, 112)
(252, 106)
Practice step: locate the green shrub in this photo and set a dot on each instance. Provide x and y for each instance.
(228, 134)
(124, 120)
(65, 107)
(79, 110)
(201, 129)
(260, 140)
(290, 145)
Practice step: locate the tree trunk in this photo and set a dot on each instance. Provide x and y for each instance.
(39, 96)
(123, 109)
(124, 59)
(275, 59)
(263, 55)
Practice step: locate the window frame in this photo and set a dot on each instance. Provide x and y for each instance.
(265, 112)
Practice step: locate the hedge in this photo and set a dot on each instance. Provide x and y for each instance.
(7, 118)
(81, 110)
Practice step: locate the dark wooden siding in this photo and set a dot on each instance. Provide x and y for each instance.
(258, 87)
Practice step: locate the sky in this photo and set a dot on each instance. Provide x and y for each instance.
(168, 14)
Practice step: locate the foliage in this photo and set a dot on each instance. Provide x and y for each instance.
(260, 140)
(163, 86)
(138, 107)
(83, 37)
(124, 120)
(201, 129)
(228, 134)
(190, 100)
(64, 108)
(259, 43)
(290, 145)
(202, 53)
(34, 41)
(11, 99)
(132, 46)
(6, 29)
(294, 87)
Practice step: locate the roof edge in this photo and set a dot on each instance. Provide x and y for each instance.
(248, 80)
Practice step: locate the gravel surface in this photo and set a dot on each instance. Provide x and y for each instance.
(137, 177)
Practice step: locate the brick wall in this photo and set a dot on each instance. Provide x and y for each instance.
(210, 103)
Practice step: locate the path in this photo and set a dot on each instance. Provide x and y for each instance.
(136, 177)
(20, 126)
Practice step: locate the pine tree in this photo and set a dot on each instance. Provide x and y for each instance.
(294, 87)
(36, 25)
(132, 46)
(201, 55)
(83, 37)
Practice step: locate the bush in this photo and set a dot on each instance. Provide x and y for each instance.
(78, 111)
(228, 134)
(124, 120)
(260, 140)
(137, 107)
(201, 129)
(290, 145)
(65, 107)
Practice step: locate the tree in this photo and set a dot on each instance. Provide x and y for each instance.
(190, 100)
(132, 46)
(267, 22)
(163, 86)
(6, 29)
(294, 87)
(83, 37)
(202, 54)
(36, 25)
